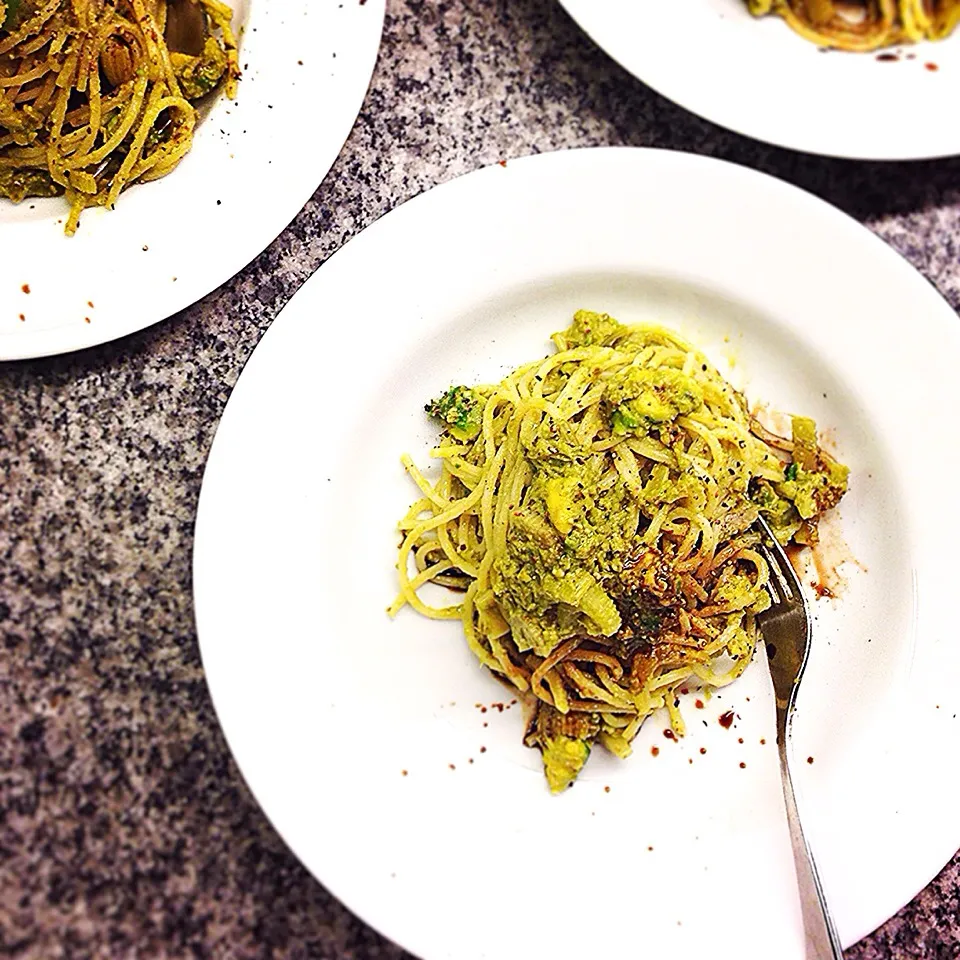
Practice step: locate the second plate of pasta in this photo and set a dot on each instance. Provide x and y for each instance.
(149, 149)
(873, 79)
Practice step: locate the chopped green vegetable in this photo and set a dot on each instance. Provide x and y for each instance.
(15, 185)
(17, 13)
(648, 396)
(580, 590)
(563, 759)
(460, 410)
(561, 502)
(564, 740)
(805, 450)
(199, 75)
(589, 328)
(813, 482)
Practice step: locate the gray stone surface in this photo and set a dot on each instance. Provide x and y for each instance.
(125, 828)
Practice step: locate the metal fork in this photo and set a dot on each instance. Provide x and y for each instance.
(785, 628)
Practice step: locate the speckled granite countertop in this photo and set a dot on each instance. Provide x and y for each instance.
(125, 828)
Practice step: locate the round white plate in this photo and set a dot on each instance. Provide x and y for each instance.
(254, 163)
(759, 78)
(325, 701)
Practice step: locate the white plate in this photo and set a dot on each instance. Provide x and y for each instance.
(254, 163)
(325, 701)
(759, 78)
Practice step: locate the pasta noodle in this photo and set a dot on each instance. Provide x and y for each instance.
(98, 94)
(866, 24)
(595, 510)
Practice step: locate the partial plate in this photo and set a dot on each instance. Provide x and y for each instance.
(326, 702)
(759, 78)
(254, 163)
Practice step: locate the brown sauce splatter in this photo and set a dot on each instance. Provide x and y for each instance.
(932, 67)
(726, 720)
(655, 751)
(26, 288)
(669, 734)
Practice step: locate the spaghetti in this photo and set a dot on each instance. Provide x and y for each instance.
(96, 95)
(595, 510)
(864, 24)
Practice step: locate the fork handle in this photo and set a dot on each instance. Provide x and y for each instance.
(820, 933)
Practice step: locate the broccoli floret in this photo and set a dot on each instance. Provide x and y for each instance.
(460, 410)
